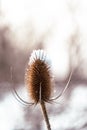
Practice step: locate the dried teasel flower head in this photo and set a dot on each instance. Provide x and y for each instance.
(38, 77)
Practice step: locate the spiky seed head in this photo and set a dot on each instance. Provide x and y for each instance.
(38, 76)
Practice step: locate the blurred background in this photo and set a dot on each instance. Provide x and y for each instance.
(59, 28)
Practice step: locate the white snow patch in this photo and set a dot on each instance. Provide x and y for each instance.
(11, 114)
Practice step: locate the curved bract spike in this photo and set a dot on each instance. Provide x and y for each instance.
(20, 99)
(17, 97)
(64, 88)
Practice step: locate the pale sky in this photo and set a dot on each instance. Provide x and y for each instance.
(53, 23)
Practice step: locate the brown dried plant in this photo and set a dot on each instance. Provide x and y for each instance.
(38, 81)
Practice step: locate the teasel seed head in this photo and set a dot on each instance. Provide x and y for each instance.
(38, 77)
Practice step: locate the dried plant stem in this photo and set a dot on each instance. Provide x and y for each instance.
(42, 103)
